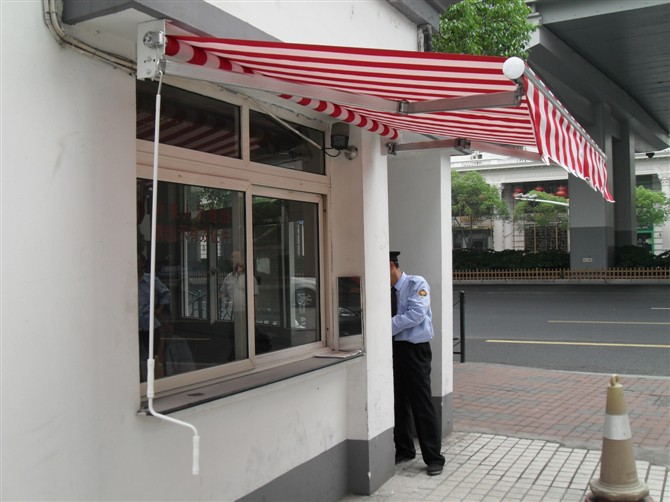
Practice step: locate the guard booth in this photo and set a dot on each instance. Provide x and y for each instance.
(444, 102)
(265, 203)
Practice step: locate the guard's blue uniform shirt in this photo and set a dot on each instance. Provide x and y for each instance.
(414, 320)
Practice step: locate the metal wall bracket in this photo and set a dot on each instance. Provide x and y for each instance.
(477, 101)
(459, 144)
(150, 49)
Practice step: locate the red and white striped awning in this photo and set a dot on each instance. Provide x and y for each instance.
(355, 85)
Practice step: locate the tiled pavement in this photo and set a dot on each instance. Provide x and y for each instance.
(494, 468)
(562, 406)
(530, 434)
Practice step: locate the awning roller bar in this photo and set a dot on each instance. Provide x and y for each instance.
(276, 86)
(151, 55)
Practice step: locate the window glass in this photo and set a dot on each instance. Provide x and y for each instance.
(201, 306)
(189, 120)
(272, 143)
(286, 261)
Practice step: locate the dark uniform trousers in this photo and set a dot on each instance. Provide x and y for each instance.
(411, 379)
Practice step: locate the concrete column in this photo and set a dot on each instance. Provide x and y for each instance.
(591, 217)
(625, 221)
(359, 246)
(420, 228)
(499, 227)
(664, 231)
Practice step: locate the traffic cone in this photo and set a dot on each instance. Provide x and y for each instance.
(618, 474)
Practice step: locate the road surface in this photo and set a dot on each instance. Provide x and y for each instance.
(603, 329)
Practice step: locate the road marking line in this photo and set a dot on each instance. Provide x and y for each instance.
(659, 308)
(610, 322)
(589, 344)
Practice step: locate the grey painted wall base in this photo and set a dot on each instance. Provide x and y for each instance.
(591, 247)
(334, 473)
(445, 410)
(376, 456)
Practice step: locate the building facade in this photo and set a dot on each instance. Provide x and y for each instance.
(512, 176)
(269, 254)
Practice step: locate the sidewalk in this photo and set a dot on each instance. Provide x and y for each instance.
(530, 434)
(562, 406)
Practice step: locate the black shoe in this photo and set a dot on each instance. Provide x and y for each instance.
(399, 459)
(434, 469)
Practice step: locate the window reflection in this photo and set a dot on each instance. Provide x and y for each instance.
(285, 236)
(201, 309)
(189, 120)
(272, 143)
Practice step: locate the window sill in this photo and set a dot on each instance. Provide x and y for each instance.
(212, 391)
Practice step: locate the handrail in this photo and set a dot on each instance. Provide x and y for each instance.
(616, 273)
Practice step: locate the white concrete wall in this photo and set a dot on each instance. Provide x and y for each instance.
(359, 247)
(69, 320)
(353, 23)
(69, 342)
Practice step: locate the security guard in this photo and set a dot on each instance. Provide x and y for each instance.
(412, 330)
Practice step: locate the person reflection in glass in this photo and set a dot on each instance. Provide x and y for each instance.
(162, 302)
(234, 302)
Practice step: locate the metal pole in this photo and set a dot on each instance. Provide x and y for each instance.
(461, 296)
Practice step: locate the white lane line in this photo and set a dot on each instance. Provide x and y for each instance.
(659, 308)
(588, 344)
(647, 323)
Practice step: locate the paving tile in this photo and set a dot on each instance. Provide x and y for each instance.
(544, 440)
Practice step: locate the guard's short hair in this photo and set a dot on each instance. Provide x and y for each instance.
(393, 256)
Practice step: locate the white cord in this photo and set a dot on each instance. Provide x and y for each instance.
(152, 295)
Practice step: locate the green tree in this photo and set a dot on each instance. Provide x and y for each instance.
(474, 200)
(485, 27)
(542, 215)
(651, 207)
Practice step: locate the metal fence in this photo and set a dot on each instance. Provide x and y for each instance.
(459, 341)
(561, 273)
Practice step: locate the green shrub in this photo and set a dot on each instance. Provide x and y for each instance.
(639, 257)
(625, 256)
(469, 259)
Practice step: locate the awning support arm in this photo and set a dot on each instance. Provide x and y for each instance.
(506, 150)
(465, 147)
(459, 144)
(492, 100)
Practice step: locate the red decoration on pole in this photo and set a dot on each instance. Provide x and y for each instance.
(562, 191)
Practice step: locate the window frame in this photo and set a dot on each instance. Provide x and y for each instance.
(191, 167)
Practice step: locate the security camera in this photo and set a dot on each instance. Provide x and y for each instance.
(650, 155)
(339, 136)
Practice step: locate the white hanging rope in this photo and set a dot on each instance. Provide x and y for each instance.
(152, 295)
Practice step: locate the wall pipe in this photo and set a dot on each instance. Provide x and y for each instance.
(51, 16)
(152, 294)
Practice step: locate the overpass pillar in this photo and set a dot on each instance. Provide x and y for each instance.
(591, 217)
(625, 221)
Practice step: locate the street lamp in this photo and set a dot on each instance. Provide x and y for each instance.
(534, 200)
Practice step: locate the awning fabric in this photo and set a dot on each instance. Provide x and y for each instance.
(539, 121)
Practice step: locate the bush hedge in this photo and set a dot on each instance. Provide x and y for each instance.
(626, 256)
(471, 259)
(639, 257)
